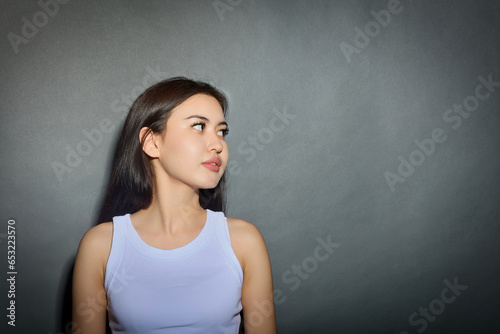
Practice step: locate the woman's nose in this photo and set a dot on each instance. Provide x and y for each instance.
(215, 143)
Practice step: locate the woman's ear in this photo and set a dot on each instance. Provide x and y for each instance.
(149, 144)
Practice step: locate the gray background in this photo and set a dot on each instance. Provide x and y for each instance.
(320, 176)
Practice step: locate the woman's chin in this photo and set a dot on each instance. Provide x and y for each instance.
(210, 185)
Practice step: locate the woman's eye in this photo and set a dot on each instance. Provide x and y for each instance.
(199, 126)
(223, 132)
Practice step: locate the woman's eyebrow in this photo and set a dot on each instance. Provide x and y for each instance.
(205, 119)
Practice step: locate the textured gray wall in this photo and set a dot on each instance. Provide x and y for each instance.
(366, 125)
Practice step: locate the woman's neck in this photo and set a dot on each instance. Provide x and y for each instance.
(174, 206)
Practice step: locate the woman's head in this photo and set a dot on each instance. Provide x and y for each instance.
(132, 181)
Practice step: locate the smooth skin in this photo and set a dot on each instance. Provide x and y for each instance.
(194, 134)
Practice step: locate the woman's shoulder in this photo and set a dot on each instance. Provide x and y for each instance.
(96, 242)
(242, 228)
(98, 234)
(246, 239)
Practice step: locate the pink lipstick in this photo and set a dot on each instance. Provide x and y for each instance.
(213, 164)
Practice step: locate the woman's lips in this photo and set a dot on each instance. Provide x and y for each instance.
(214, 168)
(213, 164)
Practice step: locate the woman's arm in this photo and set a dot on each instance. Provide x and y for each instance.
(89, 296)
(257, 292)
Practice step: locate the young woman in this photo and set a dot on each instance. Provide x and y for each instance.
(170, 261)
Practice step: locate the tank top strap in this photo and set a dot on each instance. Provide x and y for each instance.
(117, 246)
(221, 231)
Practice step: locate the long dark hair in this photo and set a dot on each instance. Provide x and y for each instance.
(132, 179)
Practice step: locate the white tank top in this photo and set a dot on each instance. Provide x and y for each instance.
(195, 288)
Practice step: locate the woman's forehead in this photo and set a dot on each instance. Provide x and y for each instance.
(199, 104)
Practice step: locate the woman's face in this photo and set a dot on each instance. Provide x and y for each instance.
(193, 150)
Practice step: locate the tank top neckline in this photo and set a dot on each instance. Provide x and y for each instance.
(169, 254)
